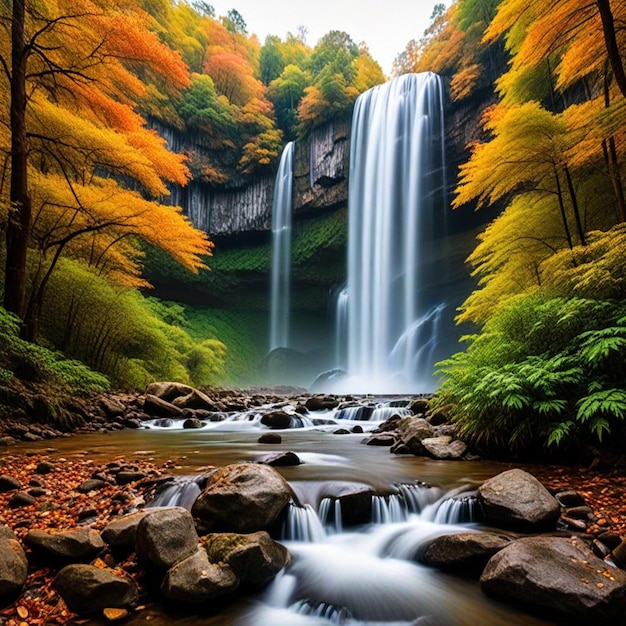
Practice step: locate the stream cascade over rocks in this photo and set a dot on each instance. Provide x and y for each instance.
(310, 547)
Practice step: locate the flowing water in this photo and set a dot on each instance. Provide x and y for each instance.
(281, 250)
(397, 201)
(356, 575)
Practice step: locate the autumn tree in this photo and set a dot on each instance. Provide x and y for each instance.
(91, 160)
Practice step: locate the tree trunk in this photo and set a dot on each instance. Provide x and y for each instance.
(610, 40)
(572, 193)
(612, 162)
(559, 193)
(18, 227)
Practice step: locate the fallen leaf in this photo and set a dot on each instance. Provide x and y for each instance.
(114, 614)
(22, 611)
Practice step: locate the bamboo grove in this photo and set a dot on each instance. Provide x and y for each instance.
(84, 177)
(545, 368)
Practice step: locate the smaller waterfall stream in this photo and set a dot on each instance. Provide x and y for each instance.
(281, 250)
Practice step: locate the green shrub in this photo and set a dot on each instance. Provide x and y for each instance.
(544, 371)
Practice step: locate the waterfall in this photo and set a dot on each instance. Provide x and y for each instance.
(396, 202)
(281, 250)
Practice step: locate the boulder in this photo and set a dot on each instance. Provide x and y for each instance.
(112, 407)
(384, 440)
(465, 553)
(444, 447)
(156, 407)
(270, 438)
(168, 391)
(165, 537)
(419, 406)
(119, 533)
(243, 497)
(280, 459)
(321, 403)
(517, 499)
(255, 558)
(276, 420)
(88, 589)
(195, 399)
(13, 564)
(192, 423)
(75, 545)
(355, 500)
(558, 574)
(619, 555)
(412, 430)
(195, 580)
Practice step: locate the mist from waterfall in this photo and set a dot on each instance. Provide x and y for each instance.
(396, 197)
(281, 251)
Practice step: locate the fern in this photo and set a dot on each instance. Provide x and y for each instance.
(608, 402)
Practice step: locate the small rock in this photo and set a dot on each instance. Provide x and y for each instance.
(89, 589)
(357, 429)
(419, 406)
(112, 407)
(342, 431)
(570, 498)
(444, 447)
(609, 539)
(113, 615)
(192, 422)
(379, 440)
(20, 499)
(75, 545)
(13, 564)
(91, 484)
(45, 467)
(619, 555)
(8, 483)
(270, 438)
(280, 459)
(127, 477)
(36, 492)
(195, 580)
(255, 558)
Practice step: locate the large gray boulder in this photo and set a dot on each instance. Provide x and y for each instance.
(412, 431)
(444, 447)
(88, 589)
(195, 580)
(255, 558)
(243, 497)
(195, 399)
(13, 563)
(463, 552)
(165, 537)
(77, 545)
(559, 574)
(517, 499)
(276, 420)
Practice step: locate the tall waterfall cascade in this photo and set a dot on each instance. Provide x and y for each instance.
(281, 250)
(397, 202)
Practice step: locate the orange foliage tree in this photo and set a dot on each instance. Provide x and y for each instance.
(85, 173)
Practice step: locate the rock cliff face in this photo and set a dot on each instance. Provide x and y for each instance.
(228, 211)
(321, 183)
(321, 169)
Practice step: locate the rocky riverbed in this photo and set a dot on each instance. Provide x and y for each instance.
(61, 513)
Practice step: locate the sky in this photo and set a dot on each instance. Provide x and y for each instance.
(386, 26)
